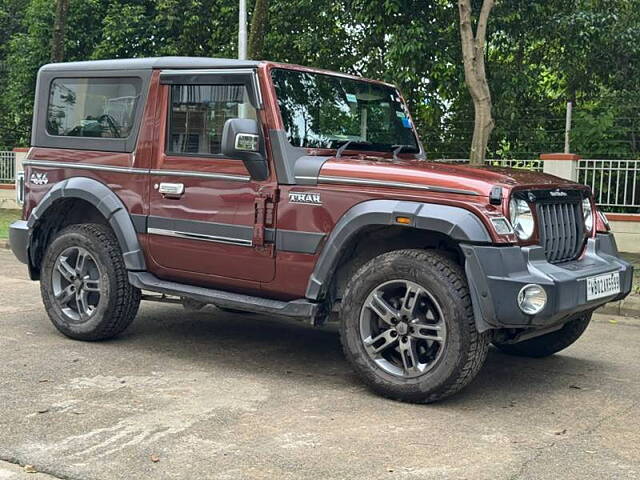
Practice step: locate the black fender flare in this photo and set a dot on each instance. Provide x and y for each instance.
(455, 222)
(107, 203)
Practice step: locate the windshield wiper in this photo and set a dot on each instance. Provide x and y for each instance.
(398, 148)
(344, 146)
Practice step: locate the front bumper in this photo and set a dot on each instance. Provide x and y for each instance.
(496, 275)
(19, 240)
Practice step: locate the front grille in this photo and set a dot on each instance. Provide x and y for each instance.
(561, 229)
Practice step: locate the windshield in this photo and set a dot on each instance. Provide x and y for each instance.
(327, 111)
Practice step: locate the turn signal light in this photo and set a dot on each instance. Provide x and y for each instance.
(403, 220)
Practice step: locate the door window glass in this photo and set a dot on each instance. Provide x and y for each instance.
(198, 113)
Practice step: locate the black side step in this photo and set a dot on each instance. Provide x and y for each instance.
(300, 309)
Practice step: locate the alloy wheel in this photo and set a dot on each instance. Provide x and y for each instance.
(77, 284)
(402, 328)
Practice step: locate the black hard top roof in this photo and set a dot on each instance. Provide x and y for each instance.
(151, 63)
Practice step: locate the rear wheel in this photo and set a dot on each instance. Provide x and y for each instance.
(84, 284)
(548, 344)
(408, 328)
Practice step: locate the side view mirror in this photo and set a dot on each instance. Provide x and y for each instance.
(241, 140)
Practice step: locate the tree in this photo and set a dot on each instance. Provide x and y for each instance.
(59, 27)
(259, 23)
(473, 47)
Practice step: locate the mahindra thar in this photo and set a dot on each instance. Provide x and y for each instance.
(291, 191)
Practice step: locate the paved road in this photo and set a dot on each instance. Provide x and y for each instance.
(225, 396)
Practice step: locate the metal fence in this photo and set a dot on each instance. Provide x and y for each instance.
(7, 167)
(535, 165)
(614, 182)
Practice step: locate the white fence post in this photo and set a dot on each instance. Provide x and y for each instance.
(563, 165)
(20, 155)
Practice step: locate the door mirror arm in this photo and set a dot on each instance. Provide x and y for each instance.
(241, 140)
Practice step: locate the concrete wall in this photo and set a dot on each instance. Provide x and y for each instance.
(8, 198)
(626, 229)
(21, 154)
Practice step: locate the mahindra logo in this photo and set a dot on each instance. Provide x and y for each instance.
(309, 198)
(558, 193)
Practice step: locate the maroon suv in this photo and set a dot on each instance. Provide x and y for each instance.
(296, 192)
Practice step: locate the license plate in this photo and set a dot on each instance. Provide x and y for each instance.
(603, 286)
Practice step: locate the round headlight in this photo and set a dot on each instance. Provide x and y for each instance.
(587, 213)
(521, 218)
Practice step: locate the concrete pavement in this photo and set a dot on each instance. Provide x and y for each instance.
(223, 396)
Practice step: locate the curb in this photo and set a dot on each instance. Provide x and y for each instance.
(629, 307)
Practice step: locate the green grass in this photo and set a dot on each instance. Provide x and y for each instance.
(6, 218)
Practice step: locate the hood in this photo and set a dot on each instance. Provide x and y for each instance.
(458, 178)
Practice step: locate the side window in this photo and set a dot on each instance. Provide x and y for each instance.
(197, 115)
(92, 107)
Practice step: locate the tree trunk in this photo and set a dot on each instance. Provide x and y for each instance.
(483, 125)
(259, 22)
(59, 27)
(473, 47)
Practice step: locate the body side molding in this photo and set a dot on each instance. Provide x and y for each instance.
(455, 222)
(107, 203)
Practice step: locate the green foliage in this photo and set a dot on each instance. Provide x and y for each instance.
(540, 54)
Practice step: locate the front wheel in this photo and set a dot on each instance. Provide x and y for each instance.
(84, 284)
(408, 327)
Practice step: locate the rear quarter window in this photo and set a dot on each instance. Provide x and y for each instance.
(93, 107)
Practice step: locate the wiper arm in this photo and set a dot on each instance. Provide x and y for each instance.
(344, 146)
(398, 148)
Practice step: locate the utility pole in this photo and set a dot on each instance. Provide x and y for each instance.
(242, 31)
(567, 129)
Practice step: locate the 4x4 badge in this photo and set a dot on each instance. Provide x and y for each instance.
(309, 198)
(39, 178)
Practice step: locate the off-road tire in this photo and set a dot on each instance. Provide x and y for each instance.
(546, 345)
(465, 348)
(118, 305)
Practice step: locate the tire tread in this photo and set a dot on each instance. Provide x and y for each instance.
(451, 273)
(126, 296)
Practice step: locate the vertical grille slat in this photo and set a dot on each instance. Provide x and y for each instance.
(561, 229)
(567, 247)
(555, 240)
(571, 223)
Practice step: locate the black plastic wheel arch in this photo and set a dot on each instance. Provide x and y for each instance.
(109, 206)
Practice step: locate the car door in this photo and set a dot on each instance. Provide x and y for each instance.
(203, 206)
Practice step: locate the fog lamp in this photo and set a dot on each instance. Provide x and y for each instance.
(532, 299)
